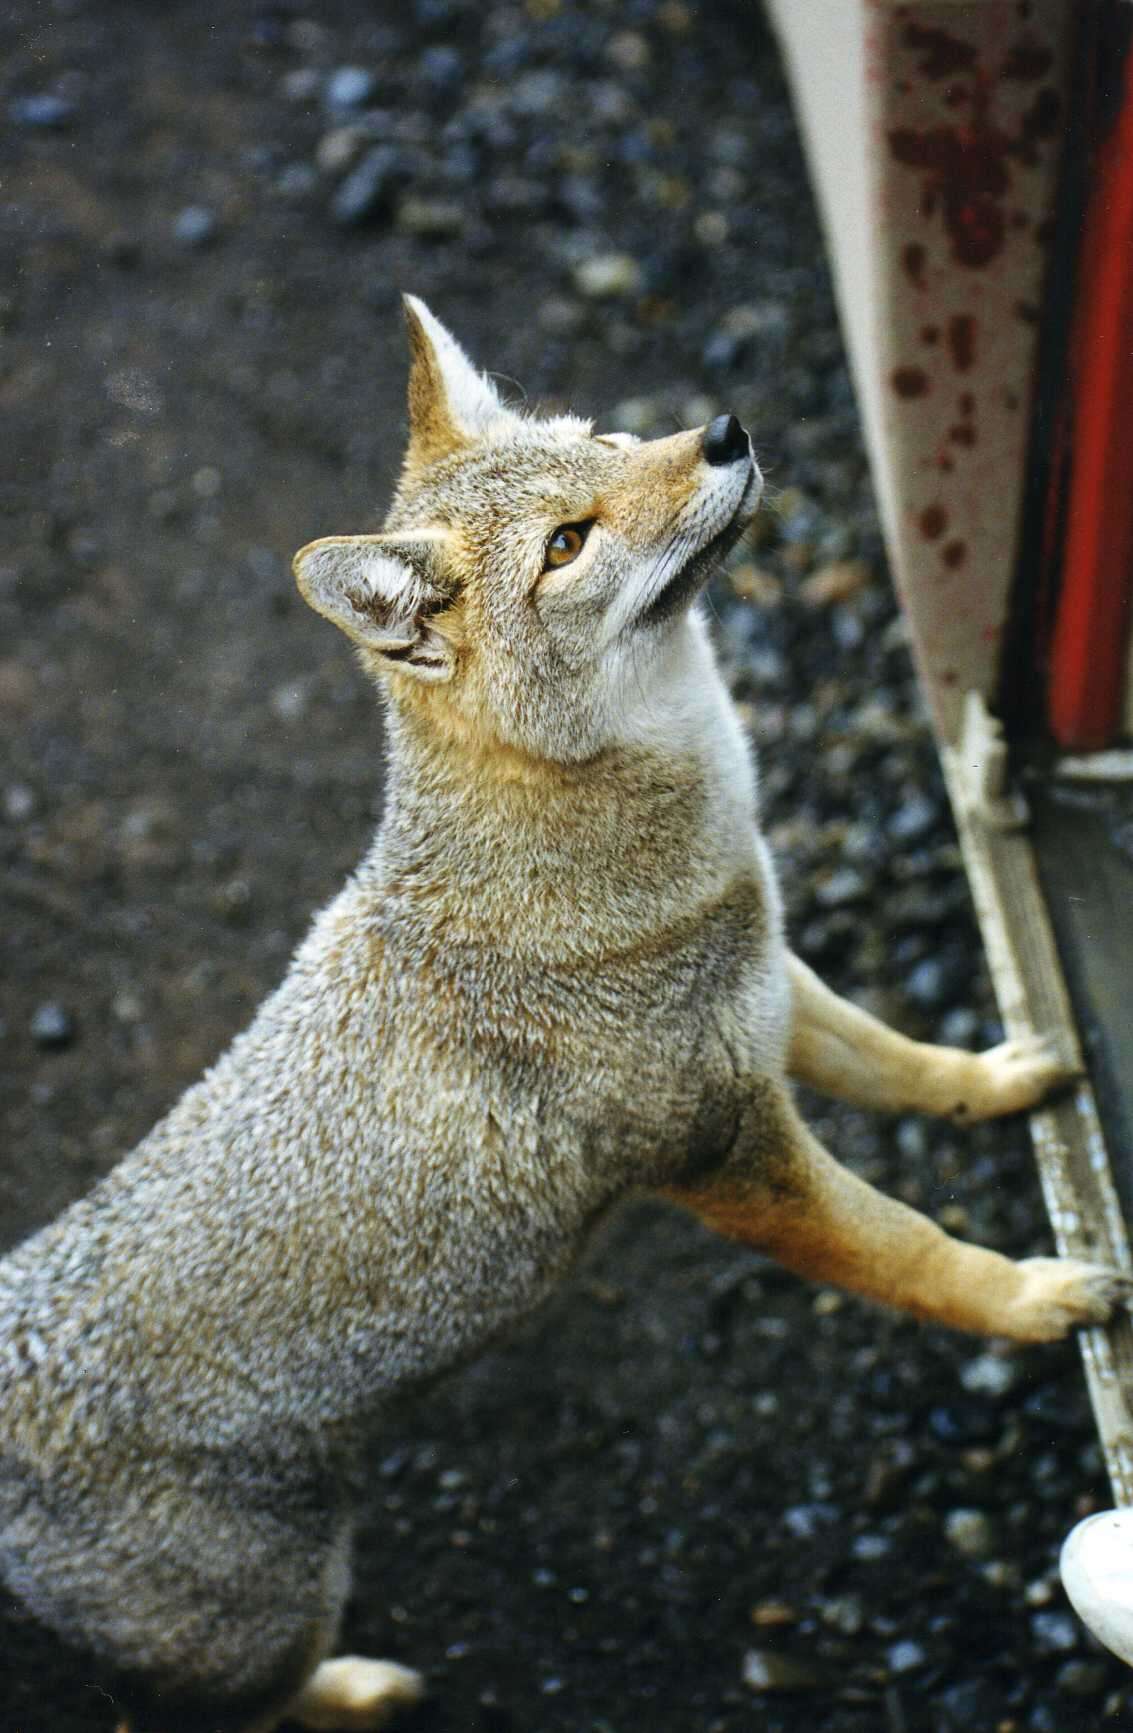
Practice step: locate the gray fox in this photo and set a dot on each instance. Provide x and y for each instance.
(559, 976)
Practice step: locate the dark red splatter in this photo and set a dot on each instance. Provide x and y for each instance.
(966, 163)
(910, 381)
(966, 177)
(962, 341)
(967, 403)
(963, 433)
(956, 95)
(1010, 401)
(944, 54)
(948, 677)
(933, 522)
(1027, 61)
(913, 259)
(945, 463)
(930, 334)
(1027, 311)
(954, 554)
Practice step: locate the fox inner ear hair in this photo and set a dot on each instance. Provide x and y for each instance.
(381, 591)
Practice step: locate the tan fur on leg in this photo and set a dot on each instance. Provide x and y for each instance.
(815, 1217)
(841, 1050)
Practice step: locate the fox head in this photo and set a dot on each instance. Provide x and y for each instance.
(533, 582)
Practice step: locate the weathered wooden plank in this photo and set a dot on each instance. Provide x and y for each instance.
(1071, 1149)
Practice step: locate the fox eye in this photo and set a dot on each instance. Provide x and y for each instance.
(566, 544)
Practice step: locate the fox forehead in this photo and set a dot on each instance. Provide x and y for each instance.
(544, 466)
(544, 473)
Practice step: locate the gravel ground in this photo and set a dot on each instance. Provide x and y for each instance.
(693, 1493)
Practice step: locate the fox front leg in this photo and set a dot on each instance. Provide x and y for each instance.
(781, 1191)
(841, 1050)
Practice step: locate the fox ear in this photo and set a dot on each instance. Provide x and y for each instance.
(450, 402)
(382, 591)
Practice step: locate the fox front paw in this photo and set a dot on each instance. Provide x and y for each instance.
(1057, 1295)
(1013, 1076)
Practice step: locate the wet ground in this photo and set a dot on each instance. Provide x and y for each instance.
(694, 1493)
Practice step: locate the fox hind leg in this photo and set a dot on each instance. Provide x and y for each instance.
(345, 1695)
(354, 1695)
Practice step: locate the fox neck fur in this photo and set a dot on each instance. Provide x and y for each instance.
(570, 859)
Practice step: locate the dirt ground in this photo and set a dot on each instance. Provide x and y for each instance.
(692, 1494)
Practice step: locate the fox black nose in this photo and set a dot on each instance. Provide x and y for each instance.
(725, 441)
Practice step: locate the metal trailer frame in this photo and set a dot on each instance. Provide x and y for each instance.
(934, 134)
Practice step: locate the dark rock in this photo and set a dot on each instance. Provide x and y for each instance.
(964, 1422)
(1083, 1678)
(972, 1704)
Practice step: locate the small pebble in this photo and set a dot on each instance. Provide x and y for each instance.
(970, 1532)
(931, 983)
(914, 818)
(636, 415)
(905, 1657)
(442, 66)
(44, 111)
(433, 219)
(836, 582)
(972, 1706)
(1081, 1678)
(844, 886)
(348, 87)
(769, 1615)
(301, 84)
(339, 149)
(972, 1421)
(628, 51)
(368, 189)
(960, 1028)
(195, 226)
(19, 802)
(607, 276)
(989, 1375)
(52, 1026)
(296, 180)
(843, 1613)
(1055, 1632)
(871, 1548)
(766, 1672)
